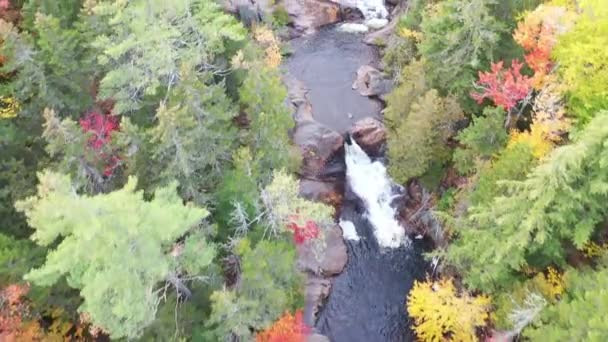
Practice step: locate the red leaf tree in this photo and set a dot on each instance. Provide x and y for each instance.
(100, 128)
(302, 233)
(505, 87)
(289, 328)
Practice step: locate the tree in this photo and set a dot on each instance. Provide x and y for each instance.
(149, 41)
(289, 328)
(560, 200)
(583, 60)
(459, 37)
(537, 34)
(506, 88)
(440, 314)
(268, 286)
(481, 140)
(193, 137)
(419, 140)
(112, 247)
(580, 315)
(262, 95)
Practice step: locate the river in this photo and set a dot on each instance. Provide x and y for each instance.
(367, 300)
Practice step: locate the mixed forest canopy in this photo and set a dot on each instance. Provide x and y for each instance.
(148, 186)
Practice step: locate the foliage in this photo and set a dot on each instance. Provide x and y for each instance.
(193, 137)
(263, 97)
(560, 200)
(580, 315)
(289, 328)
(537, 33)
(481, 140)
(285, 206)
(506, 88)
(267, 288)
(441, 314)
(419, 140)
(150, 41)
(459, 38)
(49, 71)
(583, 59)
(115, 259)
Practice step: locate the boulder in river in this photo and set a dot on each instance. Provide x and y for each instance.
(308, 15)
(319, 145)
(370, 134)
(332, 259)
(371, 82)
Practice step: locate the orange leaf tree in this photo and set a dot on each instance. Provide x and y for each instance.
(289, 328)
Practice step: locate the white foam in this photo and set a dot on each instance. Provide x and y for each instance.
(370, 181)
(372, 9)
(349, 231)
(376, 23)
(353, 28)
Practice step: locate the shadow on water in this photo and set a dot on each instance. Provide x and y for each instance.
(327, 64)
(367, 300)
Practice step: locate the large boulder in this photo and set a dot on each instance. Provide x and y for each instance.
(371, 82)
(308, 15)
(319, 145)
(370, 134)
(327, 192)
(330, 261)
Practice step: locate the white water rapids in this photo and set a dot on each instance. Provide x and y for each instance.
(369, 181)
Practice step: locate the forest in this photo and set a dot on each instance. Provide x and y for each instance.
(149, 181)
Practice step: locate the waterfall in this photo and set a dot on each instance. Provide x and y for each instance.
(369, 181)
(374, 12)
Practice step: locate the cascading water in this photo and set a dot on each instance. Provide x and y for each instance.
(367, 300)
(370, 182)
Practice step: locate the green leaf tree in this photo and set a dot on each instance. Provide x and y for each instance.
(149, 41)
(113, 247)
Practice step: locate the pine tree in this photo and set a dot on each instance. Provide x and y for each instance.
(459, 37)
(580, 315)
(419, 140)
(149, 41)
(481, 140)
(112, 247)
(560, 200)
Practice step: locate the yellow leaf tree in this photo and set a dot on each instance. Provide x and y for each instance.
(440, 314)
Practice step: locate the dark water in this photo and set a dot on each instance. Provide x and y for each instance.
(327, 63)
(367, 300)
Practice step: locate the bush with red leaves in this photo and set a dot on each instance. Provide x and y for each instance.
(289, 328)
(303, 233)
(505, 87)
(100, 127)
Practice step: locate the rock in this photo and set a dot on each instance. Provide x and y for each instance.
(371, 82)
(319, 146)
(309, 15)
(370, 134)
(297, 96)
(316, 289)
(351, 14)
(329, 193)
(330, 261)
(381, 36)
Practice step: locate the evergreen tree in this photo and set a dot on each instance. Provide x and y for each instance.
(580, 315)
(481, 140)
(113, 247)
(560, 201)
(420, 139)
(149, 41)
(459, 37)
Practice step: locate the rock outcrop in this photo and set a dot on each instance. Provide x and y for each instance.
(308, 15)
(371, 82)
(370, 134)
